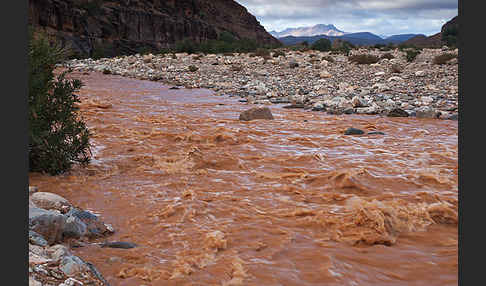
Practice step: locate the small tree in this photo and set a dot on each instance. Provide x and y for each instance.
(57, 135)
(322, 45)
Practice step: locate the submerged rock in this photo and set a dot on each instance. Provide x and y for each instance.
(256, 113)
(353, 131)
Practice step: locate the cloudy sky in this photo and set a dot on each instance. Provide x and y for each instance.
(381, 17)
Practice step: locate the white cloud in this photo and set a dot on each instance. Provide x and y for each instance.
(376, 16)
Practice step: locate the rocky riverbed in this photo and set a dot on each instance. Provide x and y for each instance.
(314, 80)
(55, 226)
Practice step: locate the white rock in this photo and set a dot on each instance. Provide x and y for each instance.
(33, 282)
(420, 73)
(395, 78)
(380, 73)
(325, 74)
(50, 201)
(427, 99)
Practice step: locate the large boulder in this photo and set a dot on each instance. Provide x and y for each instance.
(256, 113)
(50, 201)
(49, 224)
(53, 226)
(94, 227)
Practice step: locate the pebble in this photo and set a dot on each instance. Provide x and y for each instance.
(294, 75)
(353, 131)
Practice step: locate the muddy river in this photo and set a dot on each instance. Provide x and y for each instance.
(212, 200)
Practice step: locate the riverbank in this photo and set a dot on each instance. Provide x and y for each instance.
(314, 80)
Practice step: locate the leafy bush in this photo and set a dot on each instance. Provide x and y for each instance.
(226, 43)
(192, 68)
(58, 137)
(264, 53)
(344, 47)
(443, 58)
(104, 50)
(412, 54)
(322, 45)
(363, 59)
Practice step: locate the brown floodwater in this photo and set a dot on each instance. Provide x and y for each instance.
(212, 200)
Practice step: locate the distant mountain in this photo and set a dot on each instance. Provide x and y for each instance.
(357, 39)
(319, 29)
(396, 39)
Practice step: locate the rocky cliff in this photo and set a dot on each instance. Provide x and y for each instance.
(435, 40)
(129, 26)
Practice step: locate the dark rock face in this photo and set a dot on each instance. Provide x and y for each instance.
(434, 40)
(256, 113)
(132, 25)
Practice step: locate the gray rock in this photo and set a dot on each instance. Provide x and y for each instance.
(49, 224)
(74, 228)
(72, 265)
(256, 113)
(50, 201)
(36, 239)
(296, 105)
(71, 282)
(33, 282)
(293, 64)
(426, 112)
(376, 133)
(58, 251)
(94, 226)
(353, 131)
(119, 244)
(453, 117)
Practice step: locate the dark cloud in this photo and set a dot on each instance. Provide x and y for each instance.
(376, 16)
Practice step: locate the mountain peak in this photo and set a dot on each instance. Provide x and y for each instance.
(319, 29)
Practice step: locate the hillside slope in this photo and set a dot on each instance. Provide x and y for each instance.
(129, 26)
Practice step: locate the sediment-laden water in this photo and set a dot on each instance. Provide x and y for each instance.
(212, 200)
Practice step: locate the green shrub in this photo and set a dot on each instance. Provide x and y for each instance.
(443, 58)
(192, 68)
(104, 50)
(412, 54)
(363, 59)
(58, 136)
(264, 53)
(278, 53)
(344, 47)
(322, 45)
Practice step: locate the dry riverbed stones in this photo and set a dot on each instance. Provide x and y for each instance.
(329, 83)
(53, 224)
